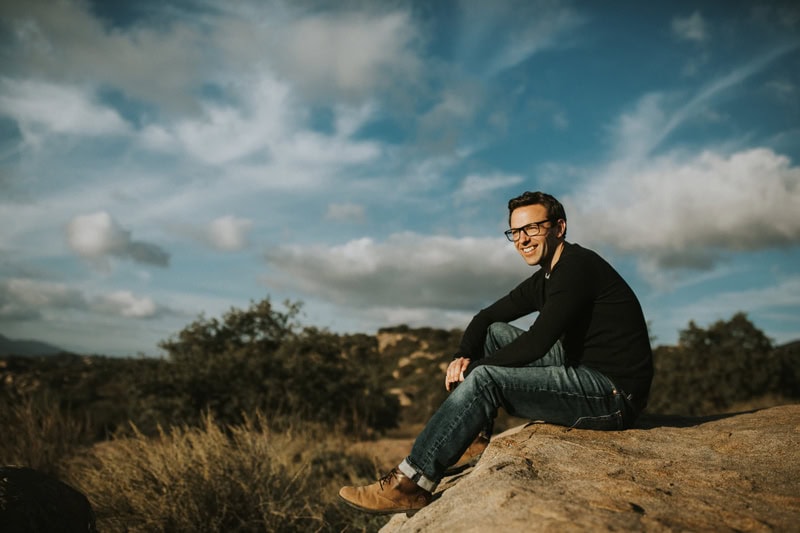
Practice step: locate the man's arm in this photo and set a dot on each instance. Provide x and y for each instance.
(569, 297)
(519, 302)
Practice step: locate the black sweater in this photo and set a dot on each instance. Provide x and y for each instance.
(587, 305)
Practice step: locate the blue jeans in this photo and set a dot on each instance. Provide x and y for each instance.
(546, 389)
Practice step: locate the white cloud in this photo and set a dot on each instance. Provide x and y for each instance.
(350, 53)
(126, 304)
(406, 271)
(158, 138)
(691, 28)
(266, 125)
(226, 133)
(345, 212)
(475, 187)
(229, 233)
(443, 124)
(95, 235)
(157, 63)
(686, 212)
(98, 236)
(26, 299)
(44, 108)
(328, 55)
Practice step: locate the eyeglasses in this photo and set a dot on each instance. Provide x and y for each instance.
(531, 230)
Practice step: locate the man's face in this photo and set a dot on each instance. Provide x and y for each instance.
(536, 250)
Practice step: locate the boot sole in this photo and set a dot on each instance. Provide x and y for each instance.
(408, 512)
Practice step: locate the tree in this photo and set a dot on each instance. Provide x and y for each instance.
(260, 358)
(711, 369)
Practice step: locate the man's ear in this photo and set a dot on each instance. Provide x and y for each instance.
(562, 227)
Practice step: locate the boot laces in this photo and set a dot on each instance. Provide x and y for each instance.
(393, 473)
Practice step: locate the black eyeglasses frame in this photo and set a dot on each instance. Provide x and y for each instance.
(509, 233)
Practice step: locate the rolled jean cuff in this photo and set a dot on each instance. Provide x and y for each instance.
(416, 476)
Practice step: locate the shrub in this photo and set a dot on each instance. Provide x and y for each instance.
(38, 433)
(712, 369)
(260, 358)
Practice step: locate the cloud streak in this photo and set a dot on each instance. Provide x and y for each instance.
(691, 28)
(44, 108)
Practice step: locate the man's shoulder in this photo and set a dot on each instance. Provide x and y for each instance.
(577, 259)
(577, 252)
(586, 263)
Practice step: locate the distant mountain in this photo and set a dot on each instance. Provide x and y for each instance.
(26, 347)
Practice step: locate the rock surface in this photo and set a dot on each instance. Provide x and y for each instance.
(736, 472)
(32, 502)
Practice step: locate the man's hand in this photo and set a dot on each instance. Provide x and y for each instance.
(455, 373)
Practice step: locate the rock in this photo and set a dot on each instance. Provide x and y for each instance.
(32, 502)
(738, 472)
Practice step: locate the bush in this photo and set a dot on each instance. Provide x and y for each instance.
(260, 359)
(239, 478)
(715, 368)
(327, 378)
(38, 433)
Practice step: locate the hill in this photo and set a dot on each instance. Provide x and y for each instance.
(26, 347)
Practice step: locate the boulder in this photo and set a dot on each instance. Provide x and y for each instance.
(32, 502)
(737, 472)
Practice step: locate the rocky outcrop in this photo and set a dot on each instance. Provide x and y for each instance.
(737, 472)
(32, 502)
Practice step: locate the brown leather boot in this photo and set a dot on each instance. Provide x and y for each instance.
(393, 493)
(470, 456)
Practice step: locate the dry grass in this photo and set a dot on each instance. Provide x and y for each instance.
(243, 478)
(39, 434)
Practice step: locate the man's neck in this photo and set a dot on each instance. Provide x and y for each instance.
(548, 268)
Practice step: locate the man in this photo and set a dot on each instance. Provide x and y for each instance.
(586, 361)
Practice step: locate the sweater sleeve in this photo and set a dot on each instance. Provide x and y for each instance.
(519, 302)
(568, 296)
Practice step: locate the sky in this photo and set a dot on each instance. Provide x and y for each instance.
(163, 160)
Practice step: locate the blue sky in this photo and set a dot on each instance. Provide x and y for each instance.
(159, 160)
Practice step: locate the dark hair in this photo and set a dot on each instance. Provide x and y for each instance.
(555, 210)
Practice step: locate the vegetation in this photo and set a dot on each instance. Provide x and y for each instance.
(259, 358)
(712, 370)
(209, 478)
(37, 433)
(246, 424)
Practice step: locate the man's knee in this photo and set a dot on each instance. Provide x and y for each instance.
(498, 328)
(498, 335)
(479, 376)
